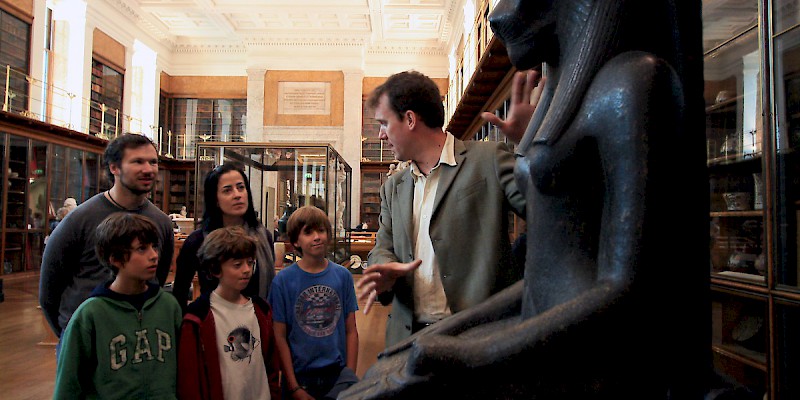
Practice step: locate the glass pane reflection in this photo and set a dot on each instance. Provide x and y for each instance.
(787, 142)
(286, 177)
(725, 19)
(734, 150)
(785, 14)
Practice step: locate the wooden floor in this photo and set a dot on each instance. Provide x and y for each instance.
(27, 369)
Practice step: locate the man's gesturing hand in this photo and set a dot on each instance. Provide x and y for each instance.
(380, 278)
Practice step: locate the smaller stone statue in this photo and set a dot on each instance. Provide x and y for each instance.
(183, 212)
(70, 204)
(401, 166)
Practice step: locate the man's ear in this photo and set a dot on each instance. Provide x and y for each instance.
(410, 119)
(113, 168)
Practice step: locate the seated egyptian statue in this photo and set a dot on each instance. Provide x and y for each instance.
(614, 301)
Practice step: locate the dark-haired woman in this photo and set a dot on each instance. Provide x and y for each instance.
(227, 202)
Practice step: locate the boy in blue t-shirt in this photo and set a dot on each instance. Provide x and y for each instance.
(314, 305)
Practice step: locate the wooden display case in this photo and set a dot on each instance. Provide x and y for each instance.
(754, 181)
(106, 105)
(190, 121)
(41, 166)
(14, 54)
(373, 149)
(739, 338)
(175, 186)
(157, 196)
(373, 175)
(740, 315)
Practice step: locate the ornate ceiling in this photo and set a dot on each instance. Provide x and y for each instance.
(425, 25)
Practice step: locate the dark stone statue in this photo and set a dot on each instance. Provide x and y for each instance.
(614, 303)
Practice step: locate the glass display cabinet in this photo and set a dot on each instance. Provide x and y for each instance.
(752, 99)
(284, 177)
(736, 156)
(38, 176)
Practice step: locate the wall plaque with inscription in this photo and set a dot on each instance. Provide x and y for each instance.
(304, 98)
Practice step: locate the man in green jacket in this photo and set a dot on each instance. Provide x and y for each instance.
(442, 244)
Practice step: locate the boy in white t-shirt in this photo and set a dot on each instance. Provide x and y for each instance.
(227, 348)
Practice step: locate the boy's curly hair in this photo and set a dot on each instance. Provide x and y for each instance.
(223, 244)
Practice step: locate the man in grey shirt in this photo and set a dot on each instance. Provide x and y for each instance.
(70, 269)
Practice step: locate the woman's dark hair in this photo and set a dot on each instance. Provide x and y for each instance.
(212, 214)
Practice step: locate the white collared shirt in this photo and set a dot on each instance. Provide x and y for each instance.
(429, 296)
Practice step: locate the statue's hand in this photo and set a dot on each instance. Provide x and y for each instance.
(442, 353)
(389, 378)
(503, 305)
(449, 326)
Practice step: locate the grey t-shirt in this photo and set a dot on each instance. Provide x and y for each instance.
(70, 269)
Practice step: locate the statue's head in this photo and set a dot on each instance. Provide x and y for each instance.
(575, 38)
(527, 28)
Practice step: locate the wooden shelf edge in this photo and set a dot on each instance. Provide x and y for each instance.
(739, 286)
(724, 103)
(747, 213)
(733, 159)
(732, 353)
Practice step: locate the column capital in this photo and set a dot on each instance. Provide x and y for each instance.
(351, 73)
(256, 73)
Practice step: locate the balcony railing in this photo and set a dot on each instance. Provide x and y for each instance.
(35, 99)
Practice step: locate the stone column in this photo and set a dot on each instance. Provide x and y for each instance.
(37, 56)
(351, 137)
(255, 104)
(72, 63)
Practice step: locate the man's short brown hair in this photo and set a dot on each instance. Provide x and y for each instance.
(411, 91)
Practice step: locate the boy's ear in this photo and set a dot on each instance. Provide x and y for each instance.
(214, 274)
(116, 263)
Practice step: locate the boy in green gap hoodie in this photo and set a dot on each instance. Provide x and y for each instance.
(121, 343)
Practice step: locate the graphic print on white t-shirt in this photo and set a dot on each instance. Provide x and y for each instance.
(317, 310)
(241, 344)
